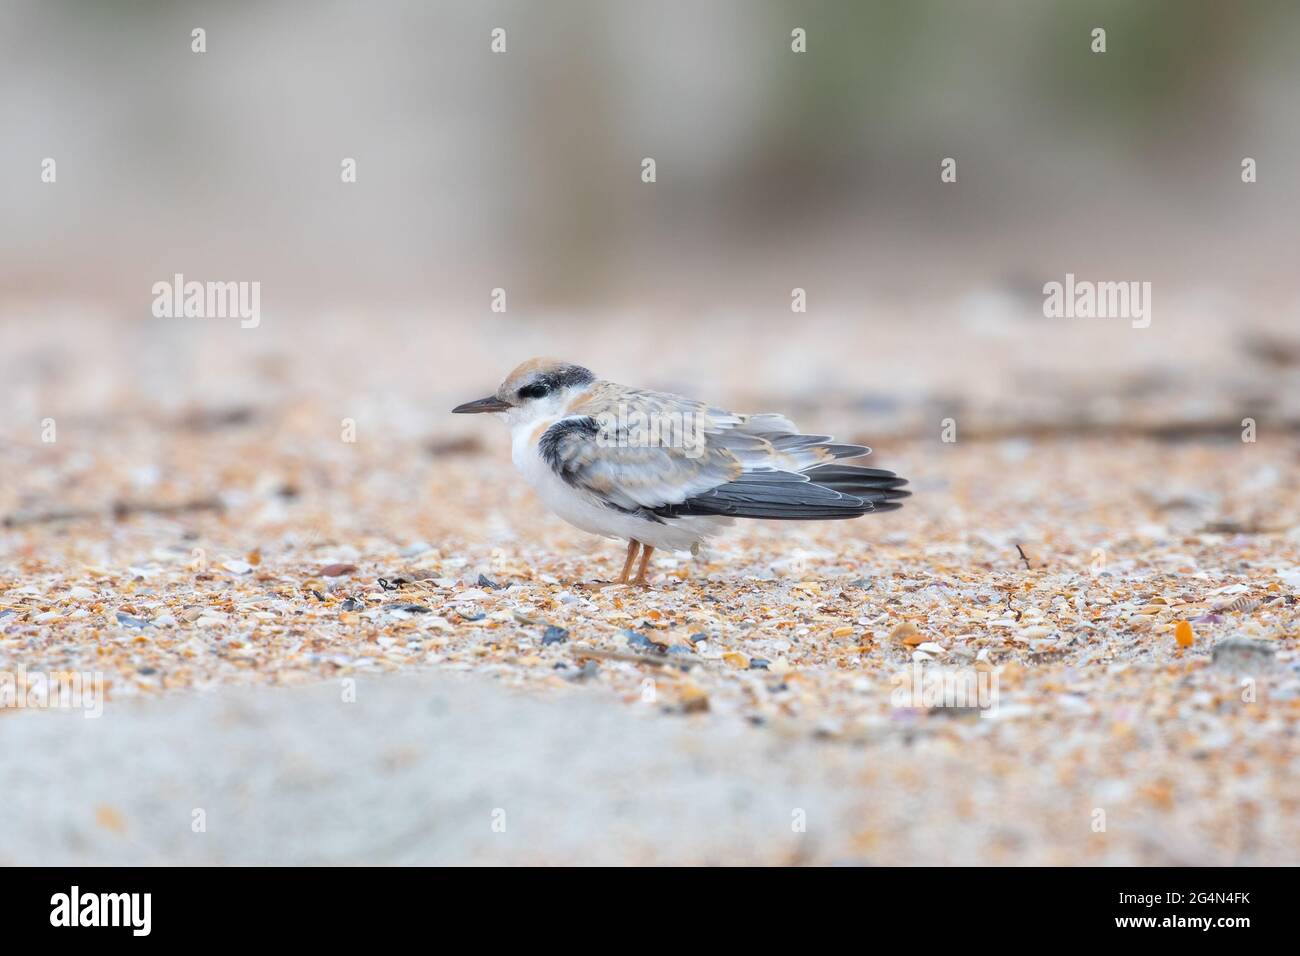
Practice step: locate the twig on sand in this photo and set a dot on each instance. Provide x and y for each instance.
(665, 660)
(1023, 557)
(118, 511)
(124, 509)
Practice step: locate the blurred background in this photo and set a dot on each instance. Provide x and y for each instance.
(775, 169)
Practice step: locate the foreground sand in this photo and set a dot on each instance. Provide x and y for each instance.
(769, 667)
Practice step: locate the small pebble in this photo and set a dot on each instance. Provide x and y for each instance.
(409, 608)
(635, 639)
(554, 635)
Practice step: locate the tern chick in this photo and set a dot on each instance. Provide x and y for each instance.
(663, 471)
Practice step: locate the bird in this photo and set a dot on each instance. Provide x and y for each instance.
(667, 472)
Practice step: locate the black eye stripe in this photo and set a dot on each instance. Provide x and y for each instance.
(535, 390)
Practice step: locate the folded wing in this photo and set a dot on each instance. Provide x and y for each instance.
(707, 461)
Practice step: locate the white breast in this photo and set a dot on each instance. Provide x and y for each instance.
(570, 504)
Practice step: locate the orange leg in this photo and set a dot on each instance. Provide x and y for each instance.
(646, 551)
(632, 547)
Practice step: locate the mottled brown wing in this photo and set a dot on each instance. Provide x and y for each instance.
(642, 449)
(633, 475)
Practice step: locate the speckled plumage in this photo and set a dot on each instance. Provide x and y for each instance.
(669, 471)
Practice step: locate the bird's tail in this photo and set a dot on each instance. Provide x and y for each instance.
(876, 487)
(819, 493)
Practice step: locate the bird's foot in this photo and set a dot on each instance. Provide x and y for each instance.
(632, 547)
(626, 577)
(640, 580)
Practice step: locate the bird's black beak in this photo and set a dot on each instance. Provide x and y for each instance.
(489, 404)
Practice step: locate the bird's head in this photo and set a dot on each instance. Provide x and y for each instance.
(537, 389)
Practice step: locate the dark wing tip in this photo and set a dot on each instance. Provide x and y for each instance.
(785, 495)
